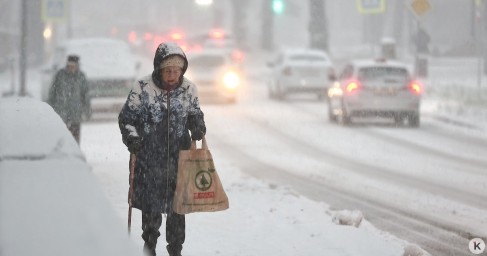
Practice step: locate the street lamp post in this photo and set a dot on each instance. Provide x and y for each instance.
(23, 48)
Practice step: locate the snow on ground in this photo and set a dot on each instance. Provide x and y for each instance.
(262, 219)
(59, 203)
(56, 203)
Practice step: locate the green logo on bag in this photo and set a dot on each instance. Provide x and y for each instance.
(203, 180)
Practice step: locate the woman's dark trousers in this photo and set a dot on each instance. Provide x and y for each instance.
(175, 232)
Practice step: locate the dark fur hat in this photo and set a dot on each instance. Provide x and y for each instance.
(73, 58)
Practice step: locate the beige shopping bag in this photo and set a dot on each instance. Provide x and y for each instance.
(198, 188)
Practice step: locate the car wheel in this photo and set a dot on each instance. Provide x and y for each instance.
(331, 117)
(280, 94)
(346, 119)
(414, 120)
(398, 119)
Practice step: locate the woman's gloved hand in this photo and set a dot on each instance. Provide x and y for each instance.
(197, 134)
(134, 144)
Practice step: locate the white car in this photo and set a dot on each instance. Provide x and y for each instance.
(377, 88)
(108, 64)
(301, 71)
(215, 75)
(51, 202)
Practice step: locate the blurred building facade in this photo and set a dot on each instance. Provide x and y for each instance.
(453, 26)
(10, 31)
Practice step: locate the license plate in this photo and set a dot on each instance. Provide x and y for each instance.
(385, 91)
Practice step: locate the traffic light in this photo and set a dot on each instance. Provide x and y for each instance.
(278, 6)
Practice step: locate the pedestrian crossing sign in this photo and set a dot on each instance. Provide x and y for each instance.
(371, 6)
(55, 10)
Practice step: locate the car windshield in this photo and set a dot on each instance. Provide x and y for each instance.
(392, 75)
(308, 57)
(207, 61)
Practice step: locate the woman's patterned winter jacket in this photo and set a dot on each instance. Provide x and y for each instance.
(161, 121)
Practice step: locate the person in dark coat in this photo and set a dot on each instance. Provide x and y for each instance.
(160, 112)
(69, 97)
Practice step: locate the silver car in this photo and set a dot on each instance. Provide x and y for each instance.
(300, 71)
(378, 88)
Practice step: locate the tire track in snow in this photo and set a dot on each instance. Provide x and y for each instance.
(368, 171)
(439, 131)
(479, 165)
(477, 200)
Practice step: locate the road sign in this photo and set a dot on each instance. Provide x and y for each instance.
(55, 10)
(420, 7)
(371, 6)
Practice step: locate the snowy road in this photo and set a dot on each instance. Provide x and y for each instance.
(427, 185)
(424, 185)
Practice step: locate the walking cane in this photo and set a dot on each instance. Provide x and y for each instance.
(131, 188)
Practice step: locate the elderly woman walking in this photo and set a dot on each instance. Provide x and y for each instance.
(160, 112)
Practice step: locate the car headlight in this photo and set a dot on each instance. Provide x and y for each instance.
(335, 90)
(231, 80)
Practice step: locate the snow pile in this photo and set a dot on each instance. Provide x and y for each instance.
(31, 129)
(50, 201)
(347, 217)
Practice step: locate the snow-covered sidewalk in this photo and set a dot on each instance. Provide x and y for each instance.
(263, 219)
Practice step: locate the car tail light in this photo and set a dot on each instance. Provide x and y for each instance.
(217, 34)
(415, 87)
(238, 56)
(286, 71)
(148, 36)
(352, 86)
(132, 37)
(177, 35)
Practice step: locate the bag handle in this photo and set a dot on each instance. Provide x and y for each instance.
(204, 145)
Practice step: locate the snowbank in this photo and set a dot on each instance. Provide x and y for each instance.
(50, 201)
